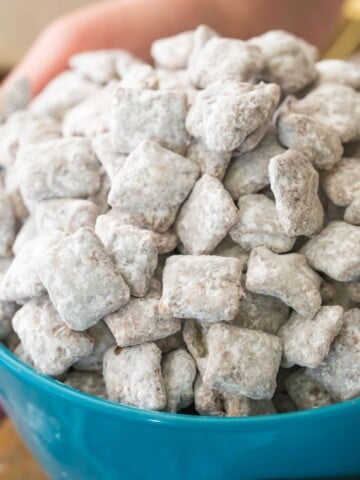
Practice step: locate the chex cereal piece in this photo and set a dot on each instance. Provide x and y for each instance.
(106, 224)
(133, 376)
(7, 311)
(52, 346)
(207, 401)
(173, 52)
(14, 96)
(164, 180)
(335, 251)
(206, 216)
(258, 224)
(261, 312)
(249, 172)
(338, 71)
(339, 373)
(64, 215)
(342, 183)
(22, 355)
(295, 184)
(306, 392)
(240, 406)
(59, 168)
(306, 342)
(242, 361)
(142, 114)
(287, 277)
(62, 93)
(142, 76)
(202, 34)
(91, 116)
(140, 321)
(179, 371)
(226, 112)
(289, 60)
(109, 159)
(352, 212)
(22, 279)
(223, 58)
(7, 225)
(135, 255)
(103, 340)
(204, 287)
(335, 106)
(82, 280)
(97, 66)
(318, 143)
(209, 161)
(91, 383)
(195, 338)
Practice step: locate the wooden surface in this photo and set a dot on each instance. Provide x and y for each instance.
(16, 463)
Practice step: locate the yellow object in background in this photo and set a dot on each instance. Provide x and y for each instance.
(347, 40)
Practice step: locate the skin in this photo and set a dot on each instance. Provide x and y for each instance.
(134, 24)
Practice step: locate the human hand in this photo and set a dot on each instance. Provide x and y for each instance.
(135, 24)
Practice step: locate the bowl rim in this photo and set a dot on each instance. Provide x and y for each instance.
(23, 371)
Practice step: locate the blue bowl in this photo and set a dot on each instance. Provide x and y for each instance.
(79, 437)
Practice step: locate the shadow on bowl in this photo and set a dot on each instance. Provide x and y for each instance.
(79, 437)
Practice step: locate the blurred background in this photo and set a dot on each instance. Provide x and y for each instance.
(22, 20)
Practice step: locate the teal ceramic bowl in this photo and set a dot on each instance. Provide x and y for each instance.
(78, 437)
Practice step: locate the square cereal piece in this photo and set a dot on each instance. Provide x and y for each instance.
(164, 180)
(287, 277)
(339, 372)
(135, 255)
(7, 226)
(51, 344)
(195, 338)
(306, 342)
(82, 280)
(140, 321)
(141, 114)
(258, 225)
(295, 184)
(62, 93)
(306, 392)
(64, 215)
(227, 111)
(242, 361)
(22, 279)
(103, 340)
(289, 60)
(261, 312)
(59, 168)
(206, 216)
(173, 52)
(96, 65)
(179, 372)
(249, 172)
(336, 107)
(133, 376)
(335, 251)
(106, 224)
(209, 161)
(223, 58)
(342, 183)
(318, 143)
(91, 383)
(207, 288)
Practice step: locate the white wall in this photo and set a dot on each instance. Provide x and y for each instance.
(22, 20)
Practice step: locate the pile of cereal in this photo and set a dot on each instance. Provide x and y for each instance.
(186, 236)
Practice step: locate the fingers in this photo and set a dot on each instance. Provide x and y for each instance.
(131, 25)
